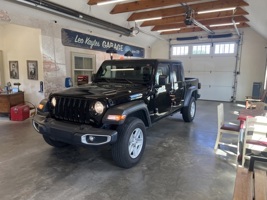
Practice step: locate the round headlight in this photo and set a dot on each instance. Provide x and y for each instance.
(99, 107)
(54, 101)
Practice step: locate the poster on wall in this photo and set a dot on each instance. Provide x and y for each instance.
(14, 69)
(86, 41)
(32, 69)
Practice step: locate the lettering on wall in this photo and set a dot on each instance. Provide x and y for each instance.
(86, 41)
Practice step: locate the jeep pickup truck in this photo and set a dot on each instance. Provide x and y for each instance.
(124, 99)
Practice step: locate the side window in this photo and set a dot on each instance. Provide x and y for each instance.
(163, 69)
(176, 74)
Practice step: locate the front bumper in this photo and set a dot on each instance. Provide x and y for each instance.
(75, 134)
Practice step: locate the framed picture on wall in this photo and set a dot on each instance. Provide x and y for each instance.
(14, 69)
(32, 69)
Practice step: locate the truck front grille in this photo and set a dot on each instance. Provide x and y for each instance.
(72, 109)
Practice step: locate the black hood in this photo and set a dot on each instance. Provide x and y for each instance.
(103, 90)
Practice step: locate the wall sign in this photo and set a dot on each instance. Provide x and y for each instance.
(85, 41)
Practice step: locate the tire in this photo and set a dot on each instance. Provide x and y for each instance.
(189, 111)
(130, 146)
(54, 143)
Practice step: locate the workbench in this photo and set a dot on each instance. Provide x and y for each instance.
(9, 100)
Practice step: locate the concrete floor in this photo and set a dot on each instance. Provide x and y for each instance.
(179, 163)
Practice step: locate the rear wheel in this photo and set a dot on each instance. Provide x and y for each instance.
(129, 148)
(189, 111)
(54, 143)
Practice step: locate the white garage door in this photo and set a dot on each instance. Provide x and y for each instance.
(214, 65)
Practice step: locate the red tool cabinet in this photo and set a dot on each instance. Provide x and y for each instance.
(19, 112)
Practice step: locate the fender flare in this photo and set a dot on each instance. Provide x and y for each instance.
(127, 109)
(191, 91)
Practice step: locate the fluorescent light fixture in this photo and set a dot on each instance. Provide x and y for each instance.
(171, 29)
(126, 69)
(26, 2)
(148, 19)
(226, 24)
(109, 2)
(216, 10)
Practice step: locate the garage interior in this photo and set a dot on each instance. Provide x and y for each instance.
(225, 48)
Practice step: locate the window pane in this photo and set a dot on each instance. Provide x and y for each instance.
(174, 51)
(232, 48)
(224, 48)
(180, 50)
(201, 49)
(78, 63)
(88, 63)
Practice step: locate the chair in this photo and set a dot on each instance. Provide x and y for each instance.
(254, 103)
(255, 137)
(224, 127)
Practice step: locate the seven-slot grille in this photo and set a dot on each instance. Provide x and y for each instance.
(72, 109)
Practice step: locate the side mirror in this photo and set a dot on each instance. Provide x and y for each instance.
(162, 80)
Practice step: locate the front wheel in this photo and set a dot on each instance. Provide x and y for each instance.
(129, 148)
(189, 111)
(54, 143)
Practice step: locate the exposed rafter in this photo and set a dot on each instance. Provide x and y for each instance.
(206, 22)
(179, 10)
(175, 19)
(197, 29)
(172, 14)
(141, 5)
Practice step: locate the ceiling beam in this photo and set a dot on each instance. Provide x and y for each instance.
(197, 29)
(179, 10)
(94, 2)
(175, 19)
(141, 5)
(205, 22)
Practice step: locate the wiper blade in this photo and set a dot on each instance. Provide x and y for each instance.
(127, 80)
(105, 79)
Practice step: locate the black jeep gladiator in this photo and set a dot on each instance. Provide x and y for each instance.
(124, 98)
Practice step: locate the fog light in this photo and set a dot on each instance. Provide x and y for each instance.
(91, 138)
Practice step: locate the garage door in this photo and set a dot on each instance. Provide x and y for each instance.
(214, 65)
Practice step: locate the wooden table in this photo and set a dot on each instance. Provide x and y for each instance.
(244, 113)
(9, 100)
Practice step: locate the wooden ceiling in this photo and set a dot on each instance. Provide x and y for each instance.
(173, 13)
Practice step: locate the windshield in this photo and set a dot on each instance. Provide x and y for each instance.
(129, 72)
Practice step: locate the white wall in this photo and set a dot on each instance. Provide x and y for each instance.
(22, 44)
(55, 57)
(252, 63)
(2, 77)
(253, 60)
(160, 49)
